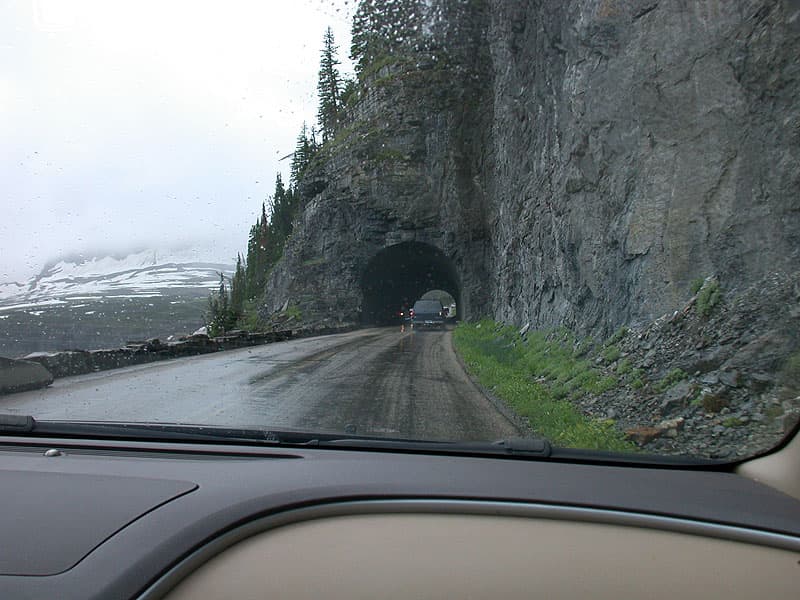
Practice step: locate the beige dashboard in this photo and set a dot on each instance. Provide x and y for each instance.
(428, 555)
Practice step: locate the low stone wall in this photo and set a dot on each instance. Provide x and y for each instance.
(79, 362)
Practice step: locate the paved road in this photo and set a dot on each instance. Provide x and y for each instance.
(378, 380)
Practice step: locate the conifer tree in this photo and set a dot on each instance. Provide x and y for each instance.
(281, 212)
(219, 317)
(303, 151)
(329, 87)
(257, 263)
(238, 288)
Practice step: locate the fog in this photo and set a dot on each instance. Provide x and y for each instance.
(144, 123)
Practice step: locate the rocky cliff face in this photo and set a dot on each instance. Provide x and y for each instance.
(569, 163)
(637, 146)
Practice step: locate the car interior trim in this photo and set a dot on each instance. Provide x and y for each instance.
(777, 469)
(462, 507)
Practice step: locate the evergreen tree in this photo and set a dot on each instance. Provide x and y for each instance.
(329, 87)
(257, 263)
(303, 152)
(219, 318)
(238, 288)
(282, 211)
(364, 34)
(266, 243)
(250, 264)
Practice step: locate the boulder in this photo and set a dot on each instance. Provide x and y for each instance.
(675, 398)
(21, 375)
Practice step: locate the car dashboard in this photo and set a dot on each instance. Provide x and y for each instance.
(128, 519)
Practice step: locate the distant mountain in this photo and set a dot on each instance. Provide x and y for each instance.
(89, 302)
(145, 273)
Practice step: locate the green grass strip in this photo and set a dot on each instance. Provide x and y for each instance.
(535, 376)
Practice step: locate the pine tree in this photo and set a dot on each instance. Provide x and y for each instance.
(282, 213)
(238, 288)
(258, 248)
(250, 264)
(364, 34)
(329, 87)
(303, 152)
(219, 317)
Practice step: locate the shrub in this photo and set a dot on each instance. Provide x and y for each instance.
(713, 402)
(673, 377)
(294, 312)
(611, 354)
(603, 385)
(696, 285)
(582, 347)
(250, 321)
(708, 297)
(617, 337)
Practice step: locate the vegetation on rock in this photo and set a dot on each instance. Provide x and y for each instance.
(535, 375)
(708, 297)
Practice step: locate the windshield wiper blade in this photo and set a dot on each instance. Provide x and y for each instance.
(523, 447)
(531, 448)
(16, 424)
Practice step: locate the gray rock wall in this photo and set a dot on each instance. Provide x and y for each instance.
(639, 145)
(580, 162)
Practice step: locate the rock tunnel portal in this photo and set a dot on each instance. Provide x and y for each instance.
(403, 273)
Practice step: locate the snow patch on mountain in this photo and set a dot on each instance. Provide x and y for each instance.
(193, 271)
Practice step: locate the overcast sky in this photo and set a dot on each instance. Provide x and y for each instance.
(131, 123)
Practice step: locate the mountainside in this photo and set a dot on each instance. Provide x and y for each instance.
(142, 273)
(574, 163)
(89, 302)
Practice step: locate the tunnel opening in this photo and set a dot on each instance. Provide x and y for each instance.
(402, 274)
(447, 300)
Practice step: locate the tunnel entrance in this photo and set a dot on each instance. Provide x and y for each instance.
(402, 274)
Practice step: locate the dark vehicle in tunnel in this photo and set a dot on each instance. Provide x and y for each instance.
(427, 314)
(404, 270)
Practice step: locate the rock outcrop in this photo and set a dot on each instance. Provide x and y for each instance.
(718, 382)
(573, 163)
(637, 146)
(22, 375)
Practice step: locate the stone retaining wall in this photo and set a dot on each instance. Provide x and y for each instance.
(79, 362)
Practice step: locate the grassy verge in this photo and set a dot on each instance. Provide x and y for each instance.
(537, 376)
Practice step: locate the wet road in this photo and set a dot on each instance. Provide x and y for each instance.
(376, 380)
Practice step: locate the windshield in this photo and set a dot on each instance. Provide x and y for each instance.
(228, 213)
(427, 306)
